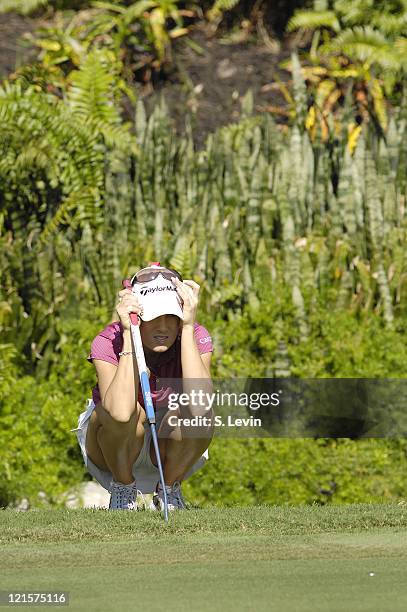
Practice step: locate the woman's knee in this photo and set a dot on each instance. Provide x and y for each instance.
(121, 425)
(92, 446)
(120, 448)
(175, 427)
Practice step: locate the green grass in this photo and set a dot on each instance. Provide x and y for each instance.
(262, 558)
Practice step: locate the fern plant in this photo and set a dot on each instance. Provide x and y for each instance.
(361, 42)
(257, 207)
(93, 98)
(221, 6)
(121, 30)
(24, 7)
(56, 148)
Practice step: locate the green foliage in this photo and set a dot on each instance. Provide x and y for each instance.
(220, 6)
(8, 354)
(388, 17)
(339, 345)
(126, 33)
(38, 452)
(365, 44)
(90, 98)
(255, 206)
(300, 471)
(53, 158)
(314, 19)
(299, 249)
(359, 48)
(24, 7)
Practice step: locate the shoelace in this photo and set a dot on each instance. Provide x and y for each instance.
(174, 495)
(139, 494)
(124, 493)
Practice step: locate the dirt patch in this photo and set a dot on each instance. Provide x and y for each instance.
(13, 51)
(212, 83)
(209, 76)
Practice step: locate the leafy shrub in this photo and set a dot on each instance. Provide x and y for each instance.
(358, 50)
(301, 471)
(299, 249)
(339, 345)
(38, 452)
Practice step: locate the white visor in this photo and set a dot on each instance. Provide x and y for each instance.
(158, 297)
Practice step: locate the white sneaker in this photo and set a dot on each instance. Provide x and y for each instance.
(123, 497)
(174, 497)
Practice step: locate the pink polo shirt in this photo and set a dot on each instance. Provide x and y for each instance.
(109, 342)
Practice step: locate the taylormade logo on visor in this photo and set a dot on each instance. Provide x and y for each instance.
(146, 290)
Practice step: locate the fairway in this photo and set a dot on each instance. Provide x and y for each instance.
(264, 558)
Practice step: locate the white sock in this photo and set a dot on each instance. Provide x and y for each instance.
(116, 482)
(168, 487)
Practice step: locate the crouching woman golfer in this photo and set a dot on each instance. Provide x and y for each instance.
(113, 432)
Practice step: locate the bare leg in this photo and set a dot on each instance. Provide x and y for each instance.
(114, 446)
(178, 450)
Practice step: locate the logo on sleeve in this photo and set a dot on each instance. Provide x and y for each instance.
(205, 340)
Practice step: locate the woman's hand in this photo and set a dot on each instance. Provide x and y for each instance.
(128, 302)
(188, 292)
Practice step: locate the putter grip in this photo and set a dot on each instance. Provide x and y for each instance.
(133, 316)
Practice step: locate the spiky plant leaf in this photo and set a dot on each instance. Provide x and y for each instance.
(364, 44)
(312, 20)
(220, 6)
(23, 7)
(91, 97)
(300, 91)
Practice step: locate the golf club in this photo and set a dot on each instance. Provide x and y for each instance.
(145, 387)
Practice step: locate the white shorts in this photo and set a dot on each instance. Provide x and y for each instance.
(144, 471)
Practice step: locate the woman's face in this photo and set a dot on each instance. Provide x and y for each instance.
(160, 334)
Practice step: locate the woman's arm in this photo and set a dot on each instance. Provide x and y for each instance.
(193, 363)
(119, 393)
(196, 376)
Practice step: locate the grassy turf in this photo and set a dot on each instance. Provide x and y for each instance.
(264, 558)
